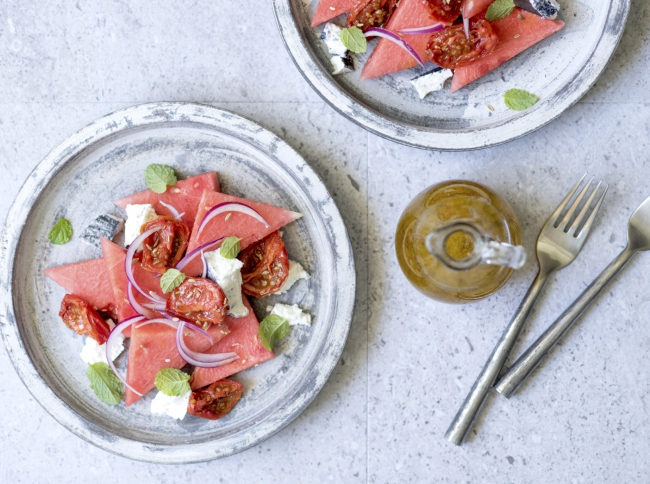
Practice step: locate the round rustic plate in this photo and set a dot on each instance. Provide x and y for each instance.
(105, 161)
(559, 70)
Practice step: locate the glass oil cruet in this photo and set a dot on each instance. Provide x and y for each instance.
(458, 242)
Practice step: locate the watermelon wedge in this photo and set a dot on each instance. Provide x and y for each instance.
(388, 58)
(244, 341)
(114, 255)
(237, 224)
(184, 196)
(515, 36)
(153, 347)
(89, 280)
(474, 7)
(328, 9)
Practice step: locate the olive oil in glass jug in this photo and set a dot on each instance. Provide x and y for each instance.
(458, 241)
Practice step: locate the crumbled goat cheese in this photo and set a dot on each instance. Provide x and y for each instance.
(93, 353)
(227, 273)
(136, 216)
(292, 313)
(296, 272)
(175, 407)
(431, 81)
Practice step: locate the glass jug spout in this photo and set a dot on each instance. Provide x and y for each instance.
(461, 246)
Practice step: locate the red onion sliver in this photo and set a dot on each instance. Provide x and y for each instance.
(466, 26)
(230, 207)
(109, 346)
(175, 214)
(201, 360)
(431, 29)
(175, 320)
(192, 255)
(388, 35)
(128, 263)
(205, 265)
(139, 308)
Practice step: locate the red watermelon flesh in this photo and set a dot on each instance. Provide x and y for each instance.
(89, 280)
(115, 257)
(184, 196)
(474, 7)
(529, 31)
(328, 9)
(388, 58)
(153, 347)
(238, 224)
(244, 341)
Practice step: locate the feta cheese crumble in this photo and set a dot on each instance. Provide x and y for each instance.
(137, 215)
(292, 313)
(227, 273)
(341, 59)
(93, 353)
(431, 81)
(175, 407)
(296, 272)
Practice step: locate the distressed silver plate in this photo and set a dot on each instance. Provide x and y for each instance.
(559, 70)
(105, 161)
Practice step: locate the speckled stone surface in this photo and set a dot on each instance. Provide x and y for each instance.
(409, 361)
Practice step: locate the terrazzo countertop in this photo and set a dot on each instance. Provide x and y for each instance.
(409, 361)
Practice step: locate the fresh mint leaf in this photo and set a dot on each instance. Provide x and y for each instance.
(499, 9)
(519, 100)
(159, 177)
(171, 279)
(354, 40)
(61, 233)
(272, 327)
(230, 248)
(172, 382)
(106, 385)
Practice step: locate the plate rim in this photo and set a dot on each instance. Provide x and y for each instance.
(322, 81)
(155, 115)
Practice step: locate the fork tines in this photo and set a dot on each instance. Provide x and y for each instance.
(579, 224)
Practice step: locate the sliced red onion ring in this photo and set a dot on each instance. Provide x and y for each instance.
(230, 207)
(157, 297)
(192, 255)
(155, 306)
(128, 263)
(175, 320)
(205, 265)
(139, 308)
(175, 214)
(431, 29)
(111, 341)
(201, 360)
(466, 26)
(393, 37)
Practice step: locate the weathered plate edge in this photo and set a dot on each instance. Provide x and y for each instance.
(458, 140)
(148, 115)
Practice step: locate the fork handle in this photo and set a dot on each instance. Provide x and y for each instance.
(470, 409)
(522, 368)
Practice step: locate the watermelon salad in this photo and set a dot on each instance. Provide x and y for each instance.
(178, 292)
(464, 39)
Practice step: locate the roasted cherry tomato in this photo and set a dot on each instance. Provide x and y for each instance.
(371, 13)
(83, 319)
(445, 11)
(266, 266)
(199, 300)
(450, 48)
(164, 248)
(215, 400)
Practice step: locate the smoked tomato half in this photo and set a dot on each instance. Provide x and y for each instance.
(215, 400)
(266, 266)
(83, 319)
(165, 247)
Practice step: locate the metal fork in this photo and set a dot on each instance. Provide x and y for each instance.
(558, 244)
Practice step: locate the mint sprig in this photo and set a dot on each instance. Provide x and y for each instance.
(172, 382)
(354, 40)
(519, 100)
(61, 233)
(171, 279)
(230, 248)
(499, 9)
(106, 385)
(159, 177)
(272, 327)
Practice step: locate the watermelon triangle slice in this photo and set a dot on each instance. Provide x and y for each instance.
(153, 347)
(235, 224)
(115, 256)
(184, 196)
(328, 9)
(244, 341)
(89, 280)
(515, 36)
(388, 58)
